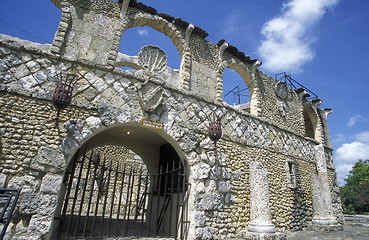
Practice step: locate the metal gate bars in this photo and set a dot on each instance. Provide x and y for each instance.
(8, 200)
(108, 198)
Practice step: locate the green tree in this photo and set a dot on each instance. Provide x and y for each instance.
(355, 193)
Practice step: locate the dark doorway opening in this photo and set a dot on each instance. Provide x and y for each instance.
(112, 197)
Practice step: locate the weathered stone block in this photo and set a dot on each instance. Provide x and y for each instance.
(12, 60)
(28, 83)
(107, 113)
(200, 219)
(209, 201)
(199, 187)
(91, 77)
(93, 123)
(48, 160)
(69, 146)
(100, 85)
(201, 171)
(51, 184)
(224, 186)
(3, 66)
(206, 233)
(90, 93)
(27, 184)
(29, 203)
(39, 226)
(20, 71)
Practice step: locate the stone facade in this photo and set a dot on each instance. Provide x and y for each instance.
(284, 134)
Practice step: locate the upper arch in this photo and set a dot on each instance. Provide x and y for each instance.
(159, 24)
(242, 70)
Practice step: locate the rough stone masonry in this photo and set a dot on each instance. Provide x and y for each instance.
(272, 171)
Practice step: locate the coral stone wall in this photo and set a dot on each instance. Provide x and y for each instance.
(31, 161)
(28, 124)
(291, 208)
(285, 112)
(34, 155)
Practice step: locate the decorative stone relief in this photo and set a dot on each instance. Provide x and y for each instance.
(282, 91)
(150, 96)
(259, 201)
(152, 59)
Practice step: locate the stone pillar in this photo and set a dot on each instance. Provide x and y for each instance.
(259, 201)
(322, 200)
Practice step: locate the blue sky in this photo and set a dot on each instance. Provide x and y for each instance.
(323, 44)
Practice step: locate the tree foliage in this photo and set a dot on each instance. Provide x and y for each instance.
(355, 193)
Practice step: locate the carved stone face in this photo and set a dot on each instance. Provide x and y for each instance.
(281, 90)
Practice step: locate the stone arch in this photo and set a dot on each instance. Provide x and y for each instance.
(92, 133)
(311, 122)
(248, 77)
(80, 132)
(169, 30)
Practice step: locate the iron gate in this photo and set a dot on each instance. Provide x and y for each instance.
(106, 198)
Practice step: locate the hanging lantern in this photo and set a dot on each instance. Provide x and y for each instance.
(63, 93)
(215, 129)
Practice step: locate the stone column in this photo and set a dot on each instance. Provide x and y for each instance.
(322, 200)
(259, 200)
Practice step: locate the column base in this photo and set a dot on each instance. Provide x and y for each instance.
(324, 221)
(257, 227)
(325, 224)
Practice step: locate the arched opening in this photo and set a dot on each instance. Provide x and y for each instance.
(235, 90)
(310, 123)
(126, 181)
(133, 39)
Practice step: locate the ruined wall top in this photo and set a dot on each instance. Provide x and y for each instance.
(89, 36)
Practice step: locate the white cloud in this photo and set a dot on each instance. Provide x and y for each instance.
(287, 39)
(348, 154)
(351, 152)
(354, 119)
(143, 32)
(362, 137)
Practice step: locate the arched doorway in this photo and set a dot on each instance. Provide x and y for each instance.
(126, 181)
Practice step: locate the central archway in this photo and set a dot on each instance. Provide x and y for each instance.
(126, 181)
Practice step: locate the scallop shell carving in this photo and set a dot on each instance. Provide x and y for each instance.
(152, 59)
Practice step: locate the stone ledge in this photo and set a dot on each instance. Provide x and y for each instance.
(325, 228)
(261, 236)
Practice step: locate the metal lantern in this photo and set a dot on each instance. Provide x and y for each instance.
(63, 93)
(215, 130)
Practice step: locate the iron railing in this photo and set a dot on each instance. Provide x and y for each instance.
(293, 84)
(237, 94)
(8, 200)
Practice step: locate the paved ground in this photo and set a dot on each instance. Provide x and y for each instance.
(357, 228)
